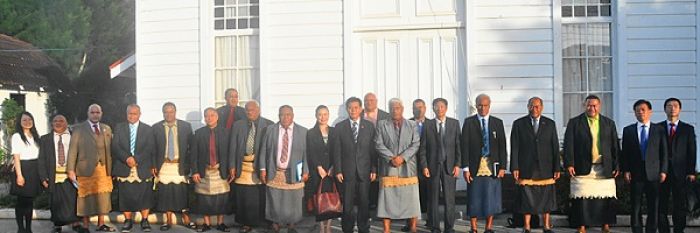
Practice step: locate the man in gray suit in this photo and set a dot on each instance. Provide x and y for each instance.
(397, 143)
(133, 150)
(283, 155)
(90, 167)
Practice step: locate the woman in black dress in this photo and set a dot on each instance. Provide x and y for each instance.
(25, 183)
(318, 151)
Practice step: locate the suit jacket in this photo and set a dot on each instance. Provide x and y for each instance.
(578, 145)
(431, 145)
(82, 153)
(238, 139)
(682, 149)
(318, 152)
(354, 159)
(47, 159)
(297, 152)
(534, 153)
(143, 153)
(238, 114)
(656, 153)
(184, 137)
(199, 150)
(472, 143)
(389, 145)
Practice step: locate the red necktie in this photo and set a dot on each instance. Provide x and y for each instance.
(229, 121)
(285, 146)
(97, 129)
(212, 148)
(61, 151)
(673, 130)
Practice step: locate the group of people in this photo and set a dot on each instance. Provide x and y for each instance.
(266, 173)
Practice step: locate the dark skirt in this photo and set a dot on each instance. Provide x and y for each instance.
(32, 184)
(592, 212)
(135, 196)
(250, 203)
(484, 195)
(172, 197)
(63, 203)
(212, 204)
(312, 188)
(536, 199)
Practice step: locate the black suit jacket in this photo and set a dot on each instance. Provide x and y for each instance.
(184, 136)
(534, 153)
(354, 159)
(656, 153)
(472, 143)
(431, 146)
(238, 114)
(47, 159)
(237, 142)
(200, 151)
(578, 145)
(144, 151)
(318, 152)
(682, 149)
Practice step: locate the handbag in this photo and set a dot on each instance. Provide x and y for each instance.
(327, 202)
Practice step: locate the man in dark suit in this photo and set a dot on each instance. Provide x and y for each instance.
(172, 165)
(52, 172)
(231, 112)
(681, 167)
(590, 157)
(134, 162)
(484, 158)
(354, 157)
(644, 161)
(440, 157)
(534, 161)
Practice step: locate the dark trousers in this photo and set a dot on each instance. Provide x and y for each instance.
(650, 189)
(679, 189)
(23, 213)
(355, 192)
(441, 182)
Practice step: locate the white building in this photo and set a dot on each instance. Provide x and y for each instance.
(310, 52)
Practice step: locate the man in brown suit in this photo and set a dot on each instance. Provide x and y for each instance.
(89, 167)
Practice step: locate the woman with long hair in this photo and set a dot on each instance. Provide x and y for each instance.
(26, 183)
(320, 165)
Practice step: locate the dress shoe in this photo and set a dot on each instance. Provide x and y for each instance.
(222, 227)
(128, 225)
(145, 226)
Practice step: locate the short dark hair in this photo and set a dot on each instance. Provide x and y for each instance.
(166, 104)
(353, 99)
(592, 97)
(680, 105)
(418, 101)
(640, 102)
(438, 100)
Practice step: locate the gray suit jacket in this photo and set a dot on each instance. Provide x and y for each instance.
(238, 140)
(82, 153)
(297, 152)
(406, 145)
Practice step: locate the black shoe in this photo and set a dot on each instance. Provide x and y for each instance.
(473, 231)
(57, 229)
(81, 229)
(406, 228)
(222, 227)
(145, 226)
(128, 225)
(164, 227)
(204, 228)
(192, 226)
(489, 231)
(526, 231)
(106, 228)
(547, 231)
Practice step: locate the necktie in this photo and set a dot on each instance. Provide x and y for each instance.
(355, 132)
(97, 129)
(673, 131)
(671, 135)
(420, 127)
(61, 151)
(250, 141)
(486, 148)
(132, 139)
(212, 148)
(535, 125)
(229, 121)
(285, 146)
(643, 138)
(171, 143)
(441, 132)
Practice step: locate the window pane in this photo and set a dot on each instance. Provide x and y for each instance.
(605, 1)
(605, 10)
(218, 2)
(600, 74)
(254, 23)
(230, 2)
(230, 24)
(579, 11)
(579, 2)
(574, 73)
(572, 40)
(592, 2)
(219, 24)
(592, 11)
(242, 23)
(242, 2)
(606, 104)
(566, 11)
(566, 2)
(254, 1)
(225, 51)
(243, 11)
(573, 106)
(219, 12)
(599, 39)
(254, 10)
(230, 12)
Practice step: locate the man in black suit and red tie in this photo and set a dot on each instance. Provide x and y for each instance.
(231, 112)
(644, 161)
(681, 167)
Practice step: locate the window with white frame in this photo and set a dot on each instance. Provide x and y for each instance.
(587, 54)
(236, 49)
